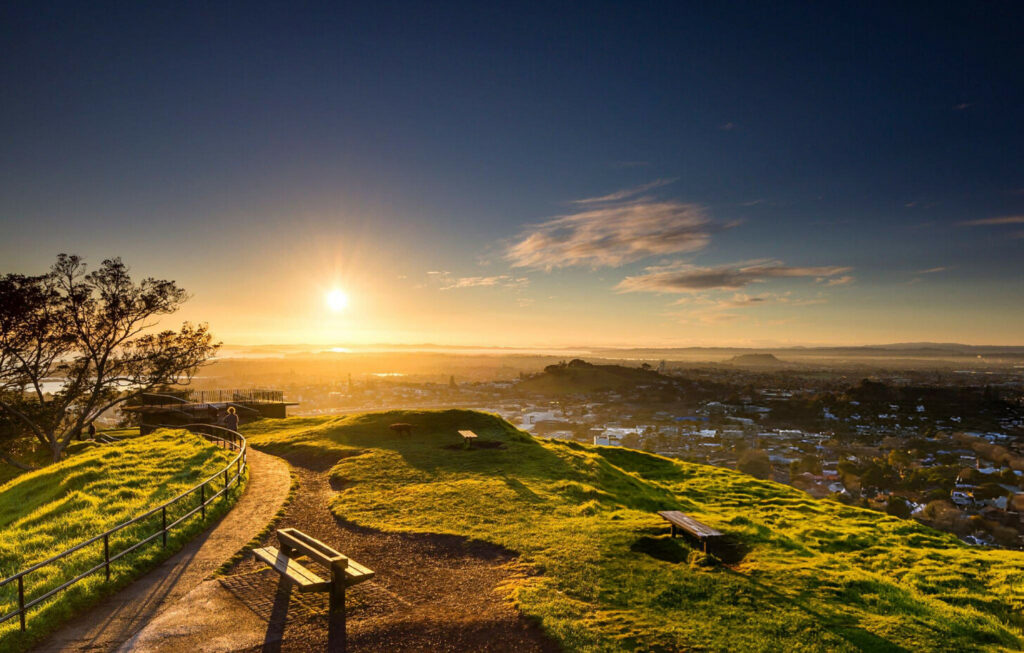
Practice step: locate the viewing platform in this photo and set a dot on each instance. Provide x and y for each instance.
(182, 407)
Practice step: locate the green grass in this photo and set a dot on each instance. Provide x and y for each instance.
(39, 456)
(802, 574)
(50, 510)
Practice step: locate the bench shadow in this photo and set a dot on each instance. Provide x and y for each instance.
(729, 549)
(274, 636)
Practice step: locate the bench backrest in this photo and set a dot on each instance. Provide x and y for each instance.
(294, 540)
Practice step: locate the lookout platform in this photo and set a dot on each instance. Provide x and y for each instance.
(207, 406)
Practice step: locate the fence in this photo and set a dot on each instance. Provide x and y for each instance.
(227, 439)
(215, 397)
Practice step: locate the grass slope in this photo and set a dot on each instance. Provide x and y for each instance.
(50, 510)
(40, 456)
(806, 575)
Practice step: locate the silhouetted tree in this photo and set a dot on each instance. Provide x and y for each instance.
(93, 333)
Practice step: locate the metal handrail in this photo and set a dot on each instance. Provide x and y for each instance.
(246, 396)
(234, 440)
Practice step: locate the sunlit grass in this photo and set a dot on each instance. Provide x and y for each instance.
(99, 486)
(808, 575)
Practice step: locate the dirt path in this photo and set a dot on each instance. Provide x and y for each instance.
(110, 623)
(431, 593)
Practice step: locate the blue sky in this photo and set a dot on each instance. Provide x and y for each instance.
(797, 174)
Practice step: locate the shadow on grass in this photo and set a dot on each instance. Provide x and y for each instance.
(730, 550)
(856, 636)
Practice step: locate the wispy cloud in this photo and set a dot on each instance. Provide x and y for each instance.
(613, 235)
(444, 280)
(727, 127)
(941, 268)
(503, 280)
(962, 106)
(838, 281)
(686, 278)
(716, 310)
(985, 222)
(618, 196)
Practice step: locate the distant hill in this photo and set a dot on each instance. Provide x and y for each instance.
(756, 360)
(599, 571)
(580, 377)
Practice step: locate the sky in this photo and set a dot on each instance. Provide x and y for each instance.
(549, 174)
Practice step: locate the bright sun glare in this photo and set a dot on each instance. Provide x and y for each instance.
(337, 300)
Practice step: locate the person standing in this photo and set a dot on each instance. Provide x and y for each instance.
(92, 431)
(231, 419)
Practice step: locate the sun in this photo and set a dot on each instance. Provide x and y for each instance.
(337, 300)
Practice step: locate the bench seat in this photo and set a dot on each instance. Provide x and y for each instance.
(684, 522)
(303, 578)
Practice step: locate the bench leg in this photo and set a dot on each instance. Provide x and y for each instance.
(336, 619)
(673, 527)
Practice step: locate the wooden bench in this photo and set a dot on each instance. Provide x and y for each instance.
(343, 572)
(680, 521)
(468, 438)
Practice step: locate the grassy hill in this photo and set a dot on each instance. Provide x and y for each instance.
(580, 377)
(800, 574)
(52, 509)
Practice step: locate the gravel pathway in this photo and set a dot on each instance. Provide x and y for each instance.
(112, 622)
(431, 592)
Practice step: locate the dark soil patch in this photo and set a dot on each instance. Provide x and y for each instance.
(476, 444)
(431, 593)
(314, 461)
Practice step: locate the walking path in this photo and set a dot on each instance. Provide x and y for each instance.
(111, 623)
(432, 593)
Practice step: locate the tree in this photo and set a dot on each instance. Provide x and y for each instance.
(93, 332)
(898, 507)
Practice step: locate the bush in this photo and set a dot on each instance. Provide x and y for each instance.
(756, 463)
(898, 507)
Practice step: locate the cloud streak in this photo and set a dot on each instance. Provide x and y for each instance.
(685, 278)
(987, 222)
(838, 281)
(445, 281)
(614, 235)
(502, 280)
(716, 310)
(620, 195)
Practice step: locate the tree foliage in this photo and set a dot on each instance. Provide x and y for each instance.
(92, 333)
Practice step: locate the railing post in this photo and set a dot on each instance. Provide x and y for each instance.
(106, 554)
(202, 500)
(225, 483)
(163, 522)
(21, 601)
